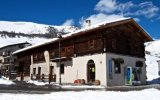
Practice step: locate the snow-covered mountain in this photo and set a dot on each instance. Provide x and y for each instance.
(32, 28)
(18, 32)
(152, 55)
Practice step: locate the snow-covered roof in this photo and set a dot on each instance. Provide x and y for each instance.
(70, 34)
(13, 44)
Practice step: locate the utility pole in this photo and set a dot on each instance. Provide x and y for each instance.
(59, 35)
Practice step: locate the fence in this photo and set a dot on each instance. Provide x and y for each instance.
(44, 78)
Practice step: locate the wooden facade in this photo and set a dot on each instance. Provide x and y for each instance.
(123, 37)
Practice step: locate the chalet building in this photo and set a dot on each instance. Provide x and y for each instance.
(111, 53)
(6, 58)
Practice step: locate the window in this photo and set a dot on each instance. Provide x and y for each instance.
(8, 53)
(114, 43)
(117, 66)
(63, 50)
(34, 71)
(39, 70)
(62, 68)
(91, 44)
(21, 46)
(15, 59)
(41, 55)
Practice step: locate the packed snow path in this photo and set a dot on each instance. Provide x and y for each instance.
(148, 94)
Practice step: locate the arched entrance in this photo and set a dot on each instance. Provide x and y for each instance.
(91, 71)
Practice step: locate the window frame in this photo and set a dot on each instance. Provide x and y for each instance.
(34, 71)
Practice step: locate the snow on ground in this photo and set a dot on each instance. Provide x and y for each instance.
(153, 47)
(6, 81)
(65, 86)
(82, 86)
(148, 94)
(37, 82)
(152, 67)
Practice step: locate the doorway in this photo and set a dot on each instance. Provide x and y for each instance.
(91, 71)
(51, 70)
(21, 70)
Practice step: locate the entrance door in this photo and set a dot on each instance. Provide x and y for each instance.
(90, 71)
(21, 70)
(128, 75)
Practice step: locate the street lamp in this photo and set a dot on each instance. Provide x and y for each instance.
(59, 35)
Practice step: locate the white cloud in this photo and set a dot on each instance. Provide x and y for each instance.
(147, 9)
(111, 10)
(123, 7)
(98, 18)
(69, 22)
(106, 6)
(137, 19)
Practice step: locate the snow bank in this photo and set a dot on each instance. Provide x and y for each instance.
(6, 82)
(148, 94)
(152, 67)
(65, 86)
(153, 47)
(37, 82)
(82, 86)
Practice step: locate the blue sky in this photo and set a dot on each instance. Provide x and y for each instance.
(74, 12)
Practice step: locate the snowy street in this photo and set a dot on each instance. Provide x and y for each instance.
(148, 94)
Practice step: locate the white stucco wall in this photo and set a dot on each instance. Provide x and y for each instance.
(119, 79)
(44, 68)
(77, 68)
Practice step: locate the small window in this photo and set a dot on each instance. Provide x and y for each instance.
(41, 55)
(117, 67)
(91, 44)
(34, 71)
(9, 53)
(62, 68)
(114, 43)
(63, 50)
(21, 46)
(39, 70)
(15, 59)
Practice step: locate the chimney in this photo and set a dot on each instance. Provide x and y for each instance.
(88, 22)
